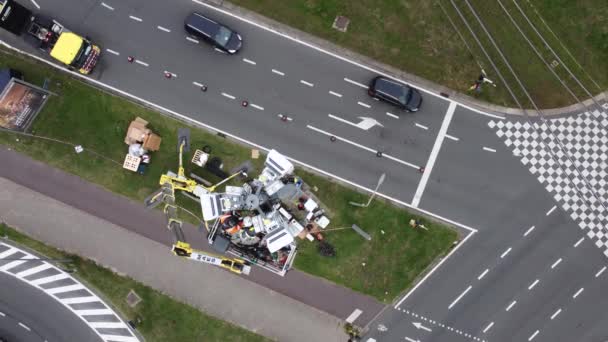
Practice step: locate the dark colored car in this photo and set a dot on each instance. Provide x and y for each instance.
(396, 93)
(214, 33)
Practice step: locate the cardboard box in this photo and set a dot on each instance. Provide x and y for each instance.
(138, 133)
(151, 142)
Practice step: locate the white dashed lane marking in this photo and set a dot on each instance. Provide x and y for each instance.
(163, 28)
(556, 263)
(489, 149)
(529, 230)
(578, 293)
(113, 52)
(107, 6)
(550, 210)
(579, 242)
(228, 96)
(136, 18)
(142, 63)
(451, 137)
(460, 297)
(488, 327)
(533, 284)
(392, 115)
(556, 313)
(257, 107)
(24, 326)
(533, 335)
(280, 73)
(335, 94)
(192, 40)
(249, 61)
(35, 4)
(421, 126)
(355, 83)
(483, 274)
(600, 272)
(364, 104)
(307, 83)
(504, 254)
(511, 305)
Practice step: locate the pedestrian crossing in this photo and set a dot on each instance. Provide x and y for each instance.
(58, 284)
(573, 168)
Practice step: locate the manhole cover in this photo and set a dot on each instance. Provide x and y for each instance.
(341, 23)
(133, 299)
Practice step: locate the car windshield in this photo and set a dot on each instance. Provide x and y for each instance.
(223, 36)
(407, 95)
(81, 57)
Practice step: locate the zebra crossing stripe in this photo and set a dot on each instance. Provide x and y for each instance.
(120, 338)
(95, 312)
(8, 253)
(100, 325)
(42, 281)
(15, 263)
(63, 289)
(34, 270)
(79, 300)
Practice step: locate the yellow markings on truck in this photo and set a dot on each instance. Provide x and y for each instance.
(66, 48)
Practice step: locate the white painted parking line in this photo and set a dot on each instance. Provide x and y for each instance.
(430, 163)
(113, 52)
(197, 84)
(504, 254)
(256, 106)
(483, 274)
(488, 327)
(529, 230)
(249, 61)
(556, 263)
(421, 126)
(392, 115)
(451, 137)
(533, 336)
(142, 63)
(278, 72)
(460, 297)
(556, 313)
(79, 300)
(550, 210)
(35, 4)
(41, 281)
(228, 96)
(533, 284)
(355, 83)
(192, 40)
(163, 28)
(24, 326)
(578, 293)
(335, 94)
(34, 270)
(364, 104)
(107, 6)
(307, 83)
(218, 50)
(361, 146)
(579, 242)
(511, 305)
(600, 272)
(63, 289)
(136, 18)
(353, 316)
(489, 149)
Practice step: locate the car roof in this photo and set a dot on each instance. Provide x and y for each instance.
(390, 87)
(202, 24)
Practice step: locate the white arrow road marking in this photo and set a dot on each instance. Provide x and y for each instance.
(364, 124)
(419, 325)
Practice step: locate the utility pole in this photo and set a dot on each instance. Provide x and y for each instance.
(380, 181)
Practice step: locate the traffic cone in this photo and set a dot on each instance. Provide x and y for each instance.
(131, 59)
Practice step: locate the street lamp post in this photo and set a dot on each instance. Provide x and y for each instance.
(380, 181)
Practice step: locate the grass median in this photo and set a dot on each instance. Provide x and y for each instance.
(83, 115)
(418, 37)
(162, 318)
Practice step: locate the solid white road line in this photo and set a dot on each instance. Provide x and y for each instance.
(35, 4)
(163, 28)
(142, 63)
(392, 115)
(80, 300)
(307, 83)
(510, 305)
(355, 83)
(488, 327)
(504, 254)
(556, 263)
(361, 146)
(107, 6)
(460, 297)
(550, 210)
(335, 94)
(353, 316)
(556, 313)
(489, 149)
(278, 72)
(33, 270)
(578, 293)
(192, 40)
(529, 230)
(533, 284)
(256, 106)
(41, 281)
(433, 156)
(579, 242)
(88, 312)
(421, 126)
(364, 104)
(600, 272)
(228, 96)
(483, 274)
(63, 289)
(25, 326)
(113, 52)
(249, 61)
(451, 137)
(136, 18)
(533, 336)
(197, 84)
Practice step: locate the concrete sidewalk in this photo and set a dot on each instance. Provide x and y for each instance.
(210, 289)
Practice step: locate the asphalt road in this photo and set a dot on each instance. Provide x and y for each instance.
(30, 315)
(475, 180)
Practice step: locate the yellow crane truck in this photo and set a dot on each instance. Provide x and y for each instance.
(76, 52)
